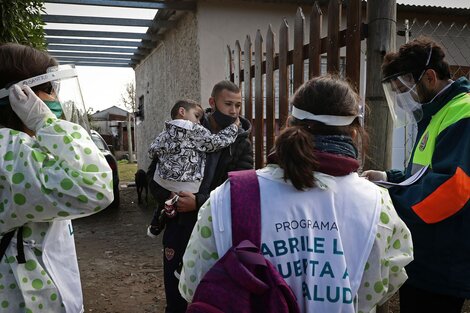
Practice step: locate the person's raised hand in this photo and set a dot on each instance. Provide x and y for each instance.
(374, 175)
(29, 107)
(186, 202)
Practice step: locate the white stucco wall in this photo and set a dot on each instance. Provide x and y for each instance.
(222, 22)
(170, 73)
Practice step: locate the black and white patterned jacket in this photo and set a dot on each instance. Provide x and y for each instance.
(181, 149)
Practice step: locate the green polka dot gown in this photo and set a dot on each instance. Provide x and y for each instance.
(45, 181)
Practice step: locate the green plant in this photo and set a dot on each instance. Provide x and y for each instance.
(126, 171)
(21, 22)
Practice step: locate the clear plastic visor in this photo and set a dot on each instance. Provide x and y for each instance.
(65, 89)
(402, 99)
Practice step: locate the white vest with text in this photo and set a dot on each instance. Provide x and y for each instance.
(319, 239)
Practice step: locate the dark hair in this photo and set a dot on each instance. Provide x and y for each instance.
(19, 62)
(412, 57)
(186, 104)
(323, 95)
(294, 151)
(224, 85)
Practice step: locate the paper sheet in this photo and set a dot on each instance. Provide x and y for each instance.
(409, 181)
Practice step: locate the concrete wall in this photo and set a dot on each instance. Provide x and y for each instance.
(171, 72)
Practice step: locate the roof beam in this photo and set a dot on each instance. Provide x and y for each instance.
(90, 42)
(91, 60)
(183, 6)
(86, 33)
(70, 19)
(149, 44)
(88, 48)
(142, 52)
(139, 56)
(97, 64)
(91, 55)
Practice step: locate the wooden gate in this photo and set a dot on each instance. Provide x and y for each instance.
(269, 95)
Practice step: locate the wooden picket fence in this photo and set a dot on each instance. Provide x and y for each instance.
(242, 69)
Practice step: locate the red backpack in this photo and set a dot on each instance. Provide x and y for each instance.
(243, 281)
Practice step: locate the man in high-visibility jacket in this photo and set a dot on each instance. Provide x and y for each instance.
(436, 209)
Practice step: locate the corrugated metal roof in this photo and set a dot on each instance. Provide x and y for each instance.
(434, 9)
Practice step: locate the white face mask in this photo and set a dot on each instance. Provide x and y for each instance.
(407, 100)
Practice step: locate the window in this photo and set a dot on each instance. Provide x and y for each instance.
(140, 110)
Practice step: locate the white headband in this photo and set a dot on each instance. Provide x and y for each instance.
(332, 120)
(41, 79)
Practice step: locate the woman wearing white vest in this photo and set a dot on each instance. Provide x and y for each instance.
(334, 237)
(50, 173)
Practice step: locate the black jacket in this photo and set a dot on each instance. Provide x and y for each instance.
(238, 156)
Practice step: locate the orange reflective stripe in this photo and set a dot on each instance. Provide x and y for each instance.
(446, 200)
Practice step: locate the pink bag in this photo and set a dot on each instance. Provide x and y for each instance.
(243, 280)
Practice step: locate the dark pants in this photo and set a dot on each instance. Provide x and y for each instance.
(175, 238)
(414, 300)
(161, 195)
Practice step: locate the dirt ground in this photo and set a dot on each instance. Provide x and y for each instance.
(121, 268)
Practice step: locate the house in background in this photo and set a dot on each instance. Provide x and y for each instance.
(111, 124)
(192, 55)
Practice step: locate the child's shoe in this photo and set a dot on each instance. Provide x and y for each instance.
(153, 231)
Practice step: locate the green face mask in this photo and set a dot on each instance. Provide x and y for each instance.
(55, 107)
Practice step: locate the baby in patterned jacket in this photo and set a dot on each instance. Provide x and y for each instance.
(180, 151)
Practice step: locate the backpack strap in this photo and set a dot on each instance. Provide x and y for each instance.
(245, 207)
(5, 242)
(20, 246)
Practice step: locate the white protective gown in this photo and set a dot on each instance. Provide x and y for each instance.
(45, 182)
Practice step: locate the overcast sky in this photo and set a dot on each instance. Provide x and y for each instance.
(102, 86)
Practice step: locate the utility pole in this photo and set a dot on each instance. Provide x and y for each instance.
(129, 138)
(135, 132)
(381, 39)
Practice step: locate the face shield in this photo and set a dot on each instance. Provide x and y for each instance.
(66, 98)
(403, 100)
(402, 96)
